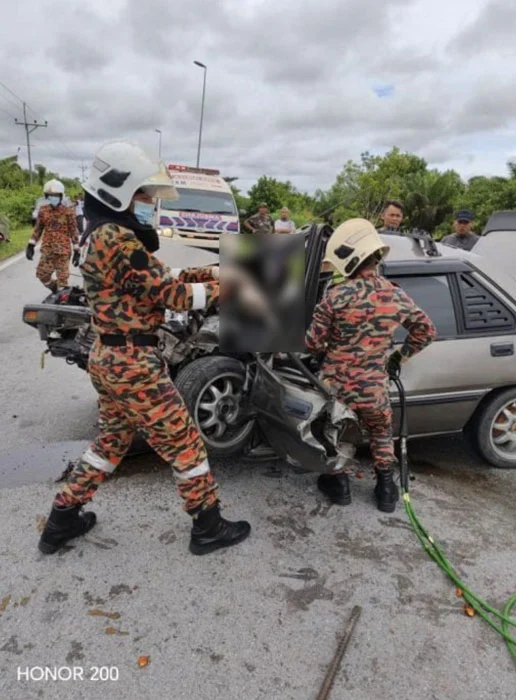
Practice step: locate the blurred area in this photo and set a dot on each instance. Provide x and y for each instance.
(262, 293)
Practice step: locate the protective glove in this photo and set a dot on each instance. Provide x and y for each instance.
(394, 365)
(29, 251)
(76, 257)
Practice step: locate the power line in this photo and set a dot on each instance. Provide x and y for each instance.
(11, 116)
(9, 101)
(11, 92)
(22, 102)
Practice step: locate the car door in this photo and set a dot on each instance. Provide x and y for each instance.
(473, 351)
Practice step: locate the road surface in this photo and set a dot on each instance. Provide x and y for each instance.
(259, 621)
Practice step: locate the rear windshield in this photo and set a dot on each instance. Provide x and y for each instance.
(200, 201)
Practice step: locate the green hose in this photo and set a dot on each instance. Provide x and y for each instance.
(502, 620)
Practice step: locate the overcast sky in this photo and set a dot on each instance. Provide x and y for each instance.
(294, 88)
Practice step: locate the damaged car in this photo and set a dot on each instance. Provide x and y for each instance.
(258, 404)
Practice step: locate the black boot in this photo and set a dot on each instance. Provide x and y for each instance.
(64, 524)
(336, 488)
(386, 491)
(211, 532)
(52, 285)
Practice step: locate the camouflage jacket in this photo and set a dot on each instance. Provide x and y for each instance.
(354, 325)
(261, 224)
(129, 289)
(57, 228)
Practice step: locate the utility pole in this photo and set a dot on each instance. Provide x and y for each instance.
(205, 69)
(33, 126)
(158, 131)
(83, 169)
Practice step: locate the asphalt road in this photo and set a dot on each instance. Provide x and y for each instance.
(259, 621)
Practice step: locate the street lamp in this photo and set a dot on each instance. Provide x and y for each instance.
(158, 131)
(205, 68)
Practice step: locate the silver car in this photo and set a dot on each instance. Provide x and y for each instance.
(466, 380)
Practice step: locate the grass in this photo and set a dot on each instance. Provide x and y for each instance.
(19, 239)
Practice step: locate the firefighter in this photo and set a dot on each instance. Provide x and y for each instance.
(354, 326)
(128, 291)
(57, 228)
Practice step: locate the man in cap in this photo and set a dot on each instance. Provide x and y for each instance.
(57, 228)
(128, 290)
(463, 238)
(261, 222)
(354, 326)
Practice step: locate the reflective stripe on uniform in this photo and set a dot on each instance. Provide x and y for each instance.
(200, 470)
(199, 296)
(98, 462)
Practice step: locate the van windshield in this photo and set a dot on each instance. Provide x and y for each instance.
(202, 201)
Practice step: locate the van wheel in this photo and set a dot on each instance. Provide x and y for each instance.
(493, 430)
(212, 390)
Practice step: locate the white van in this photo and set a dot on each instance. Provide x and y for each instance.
(204, 209)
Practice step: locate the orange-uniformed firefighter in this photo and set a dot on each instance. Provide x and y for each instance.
(57, 227)
(128, 291)
(354, 326)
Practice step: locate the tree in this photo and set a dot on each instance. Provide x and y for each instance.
(277, 194)
(41, 174)
(430, 197)
(362, 188)
(484, 195)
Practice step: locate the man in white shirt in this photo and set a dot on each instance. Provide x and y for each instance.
(284, 223)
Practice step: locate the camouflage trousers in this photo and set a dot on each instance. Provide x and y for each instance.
(136, 393)
(368, 396)
(48, 264)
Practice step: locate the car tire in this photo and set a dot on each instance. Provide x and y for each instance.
(493, 430)
(210, 389)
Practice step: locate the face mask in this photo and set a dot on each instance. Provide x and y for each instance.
(144, 212)
(54, 201)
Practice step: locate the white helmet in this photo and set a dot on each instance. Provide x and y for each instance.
(351, 243)
(53, 187)
(120, 169)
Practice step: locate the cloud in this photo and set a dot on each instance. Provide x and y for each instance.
(491, 32)
(292, 88)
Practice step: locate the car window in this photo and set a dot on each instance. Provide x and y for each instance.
(432, 293)
(483, 312)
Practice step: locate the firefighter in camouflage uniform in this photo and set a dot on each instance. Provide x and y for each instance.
(57, 228)
(354, 326)
(128, 291)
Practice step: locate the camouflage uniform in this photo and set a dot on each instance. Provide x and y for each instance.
(354, 325)
(128, 291)
(261, 224)
(58, 229)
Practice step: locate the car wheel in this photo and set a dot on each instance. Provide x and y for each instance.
(493, 431)
(212, 390)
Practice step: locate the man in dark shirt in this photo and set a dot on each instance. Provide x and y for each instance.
(391, 216)
(261, 222)
(463, 238)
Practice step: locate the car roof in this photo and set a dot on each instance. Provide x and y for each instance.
(500, 221)
(493, 256)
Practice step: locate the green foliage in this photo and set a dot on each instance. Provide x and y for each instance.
(19, 204)
(362, 188)
(18, 197)
(18, 239)
(484, 195)
(430, 197)
(278, 194)
(242, 203)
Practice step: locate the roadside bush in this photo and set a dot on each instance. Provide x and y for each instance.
(17, 205)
